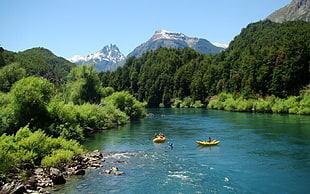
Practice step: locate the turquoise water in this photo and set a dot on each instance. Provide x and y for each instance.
(258, 153)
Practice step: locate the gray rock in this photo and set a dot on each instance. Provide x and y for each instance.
(13, 187)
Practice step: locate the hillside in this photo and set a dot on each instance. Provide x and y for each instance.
(36, 61)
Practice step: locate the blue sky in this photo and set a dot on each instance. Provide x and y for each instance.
(76, 27)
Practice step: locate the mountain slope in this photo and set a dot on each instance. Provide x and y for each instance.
(295, 10)
(106, 59)
(169, 39)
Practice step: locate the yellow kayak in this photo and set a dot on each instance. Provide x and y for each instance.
(159, 139)
(214, 142)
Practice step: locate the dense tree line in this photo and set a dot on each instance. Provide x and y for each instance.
(265, 59)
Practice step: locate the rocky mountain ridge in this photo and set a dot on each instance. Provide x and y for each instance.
(295, 10)
(170, 39)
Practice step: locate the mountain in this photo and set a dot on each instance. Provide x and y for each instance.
(164, 38)
(295, 10)
(106, 59)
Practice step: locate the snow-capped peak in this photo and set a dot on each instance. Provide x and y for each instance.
(76, 58)
(165, 34)
(222, 45)
(108, 53)
(106, 59)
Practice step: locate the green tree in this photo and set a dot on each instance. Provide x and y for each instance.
(126, 103)
(29, 99)
(83, 85)
(9, 75)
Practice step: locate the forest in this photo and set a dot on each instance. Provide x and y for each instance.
(266, 61)
(48, 104)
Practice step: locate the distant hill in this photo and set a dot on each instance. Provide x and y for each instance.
(295, 10)
(169, 39)
(32, 62)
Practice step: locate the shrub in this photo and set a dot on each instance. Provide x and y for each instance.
(7, 154)
(261, 105)
(107, 91)
(61, 143)
(186, 103)
(126, 103)
(22, 133)
(305, 105)
(30, 97)
(222, 97)
(68, 131)
(176, 104)
(215, 104)
(33, 146)
(229, 104)
(28, 147)
(8, 119)
(243, 105)
(115, 115)
(70, 120)
(197, 104)
(293, 104)
(57, 158)
(279, 106)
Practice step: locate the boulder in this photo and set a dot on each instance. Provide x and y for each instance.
(79, 172)
(13, 187)
(107, 171)
(57, 177)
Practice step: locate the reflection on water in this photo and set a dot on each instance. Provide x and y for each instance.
(258, 153)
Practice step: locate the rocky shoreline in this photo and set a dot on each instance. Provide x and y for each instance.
(42, 178)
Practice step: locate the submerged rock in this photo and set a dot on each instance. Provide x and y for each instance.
(107, 171)
(118, 173)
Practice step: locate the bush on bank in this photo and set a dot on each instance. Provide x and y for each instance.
(187, 102)
(34, 148)
(292, 105)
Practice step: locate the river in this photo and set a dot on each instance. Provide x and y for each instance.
(258, 153)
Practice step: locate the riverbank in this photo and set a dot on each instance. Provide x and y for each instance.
(291, 105)
(39, 178)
